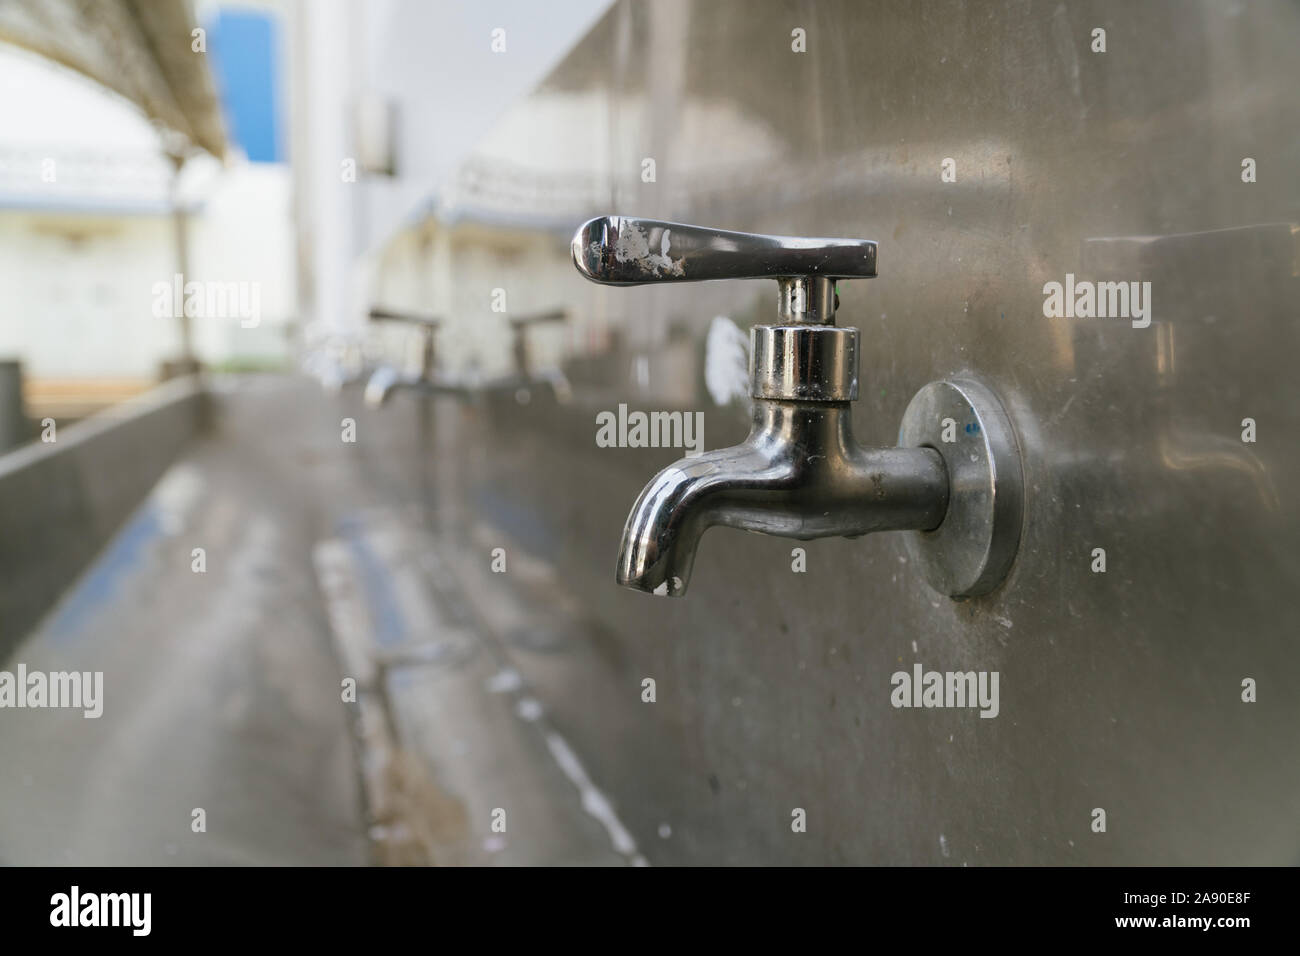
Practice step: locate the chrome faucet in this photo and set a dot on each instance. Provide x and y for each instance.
(386, 379)
(520, 383)
(954, 482)
(525, 379)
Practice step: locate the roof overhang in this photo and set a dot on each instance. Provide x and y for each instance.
(141, 49)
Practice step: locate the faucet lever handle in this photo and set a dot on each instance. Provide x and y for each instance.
(428, 326)
(620, 250)
(379, 313)
(520, 322)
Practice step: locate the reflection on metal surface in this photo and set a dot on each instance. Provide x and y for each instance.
(1180, 451)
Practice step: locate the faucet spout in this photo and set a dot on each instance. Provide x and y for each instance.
(799, 474)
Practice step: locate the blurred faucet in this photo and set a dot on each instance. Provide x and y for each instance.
(386, 379)
(523, 380)
(520, 382)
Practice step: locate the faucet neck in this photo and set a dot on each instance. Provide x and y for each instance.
(823, 424)
(810, 300)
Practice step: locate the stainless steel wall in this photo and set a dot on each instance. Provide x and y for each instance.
(1119, 690)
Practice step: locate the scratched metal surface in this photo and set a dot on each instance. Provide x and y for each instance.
(1118, 690)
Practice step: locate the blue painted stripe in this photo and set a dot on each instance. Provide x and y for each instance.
(124, 556)
(381, 598)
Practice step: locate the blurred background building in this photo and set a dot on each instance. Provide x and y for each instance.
(304, 151)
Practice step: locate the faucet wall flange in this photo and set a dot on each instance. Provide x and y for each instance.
(970, 553)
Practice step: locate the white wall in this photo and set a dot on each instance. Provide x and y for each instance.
(433, 60)
(75, 294)
(80, 255)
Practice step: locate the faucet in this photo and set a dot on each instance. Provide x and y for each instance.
(954, 482)
(524, 378)
(386, 380)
